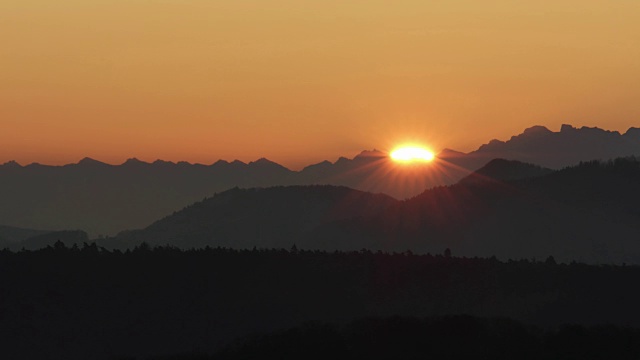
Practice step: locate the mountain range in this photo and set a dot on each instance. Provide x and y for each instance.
(105, 199)
(541, 146)
(506, 209)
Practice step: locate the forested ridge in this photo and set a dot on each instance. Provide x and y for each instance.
(88, 302)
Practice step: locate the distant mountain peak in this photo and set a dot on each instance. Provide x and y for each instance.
(12, 164)
(134, 161)
(371, 153)
(163, 162)
(342, 160)
(263, 160)
(87, 161)
(633, 132)
(539, 129)
(267, 164)
(226, 164)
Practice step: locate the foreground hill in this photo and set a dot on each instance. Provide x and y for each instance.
(276, 217)
(91, 304)
(105, 199)
(588, 212)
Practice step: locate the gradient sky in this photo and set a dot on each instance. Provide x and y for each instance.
(302, 81)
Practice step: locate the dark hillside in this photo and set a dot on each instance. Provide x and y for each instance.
(62, 303)
(243, 218)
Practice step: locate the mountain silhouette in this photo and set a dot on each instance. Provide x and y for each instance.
(587, 212)
(10, 236)
(541, 146)
(276, 217)
(105, 199)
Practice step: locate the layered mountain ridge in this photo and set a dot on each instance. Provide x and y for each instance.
(105, 199)
(508, 209)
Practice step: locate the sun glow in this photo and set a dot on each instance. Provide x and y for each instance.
(412, 154)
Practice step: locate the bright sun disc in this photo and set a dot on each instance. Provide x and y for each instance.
(411, 154)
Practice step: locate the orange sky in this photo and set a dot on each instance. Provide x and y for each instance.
(300, 81)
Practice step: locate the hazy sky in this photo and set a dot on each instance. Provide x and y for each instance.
(301, 81)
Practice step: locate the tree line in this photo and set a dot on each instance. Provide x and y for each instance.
(88, 302)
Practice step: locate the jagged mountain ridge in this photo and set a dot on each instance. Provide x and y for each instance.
(105, 199)
(541, 146)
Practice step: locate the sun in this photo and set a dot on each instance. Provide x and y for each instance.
(412, 154)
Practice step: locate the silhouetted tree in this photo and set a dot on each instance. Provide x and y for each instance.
(59, 246)
(550, 261)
